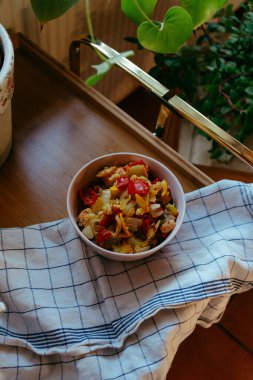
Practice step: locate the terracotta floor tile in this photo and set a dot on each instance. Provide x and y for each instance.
(238, 318)
(210, 354)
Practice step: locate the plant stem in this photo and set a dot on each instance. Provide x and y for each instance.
(226, 96)
(206, 35)
(144, 14)
(90, 27)
(88, 19)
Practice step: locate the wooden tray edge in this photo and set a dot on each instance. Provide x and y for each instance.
(175, 160)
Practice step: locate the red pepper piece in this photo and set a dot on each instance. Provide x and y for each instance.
(145, 226)
(122, 183)
(139, 162)
(163, 235)
(116, 210)
(156, 180)
(96, 188)
(138, 186)
(103, 236)
(107, 220)
(88, 197)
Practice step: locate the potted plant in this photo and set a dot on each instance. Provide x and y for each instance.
(6, 91)
(164, 36)
(214, 73)
(202, 71)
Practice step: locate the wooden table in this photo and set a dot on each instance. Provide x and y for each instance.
(58, 125)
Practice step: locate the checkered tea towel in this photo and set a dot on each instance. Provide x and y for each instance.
(68, 313)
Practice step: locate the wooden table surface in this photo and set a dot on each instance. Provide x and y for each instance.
(58, 125)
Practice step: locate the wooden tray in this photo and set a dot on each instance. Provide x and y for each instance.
(58, 125)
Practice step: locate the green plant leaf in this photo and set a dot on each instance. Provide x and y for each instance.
(202, 10)
(46, 10)
(131, 9)
(168, 36)
(102, 69)
(225, 110)
(105, 66)
(249, 90)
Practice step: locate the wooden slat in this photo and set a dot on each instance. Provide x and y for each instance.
(222, 173)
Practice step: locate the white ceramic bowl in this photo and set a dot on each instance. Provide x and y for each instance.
(87, 174)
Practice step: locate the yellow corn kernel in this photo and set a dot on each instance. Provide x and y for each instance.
(138, 170)
(107, 171)
(98, 205)
(125, 248)
(123, 226)
(114, 191)
(118, 225)
(165, 197)
(152, 194)
(172, 209)
(142, 203)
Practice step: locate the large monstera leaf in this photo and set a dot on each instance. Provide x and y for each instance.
(167, 36)
(46, 10)
(177, 26)
(202, 10)
(131, 8)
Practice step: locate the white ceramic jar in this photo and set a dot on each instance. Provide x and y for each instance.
(6, 92)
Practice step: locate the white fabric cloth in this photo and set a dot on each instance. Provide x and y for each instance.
(68, 313)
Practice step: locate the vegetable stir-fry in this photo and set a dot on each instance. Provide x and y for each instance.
(126, 209)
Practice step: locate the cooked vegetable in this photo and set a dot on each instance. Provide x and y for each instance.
(122, 183)
(138, 186)
(89, 196)
(127, 210)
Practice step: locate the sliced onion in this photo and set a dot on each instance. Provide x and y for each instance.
(155, 210)
(88, 232)
(133, 223)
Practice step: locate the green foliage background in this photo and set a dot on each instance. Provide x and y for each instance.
(215, 75)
